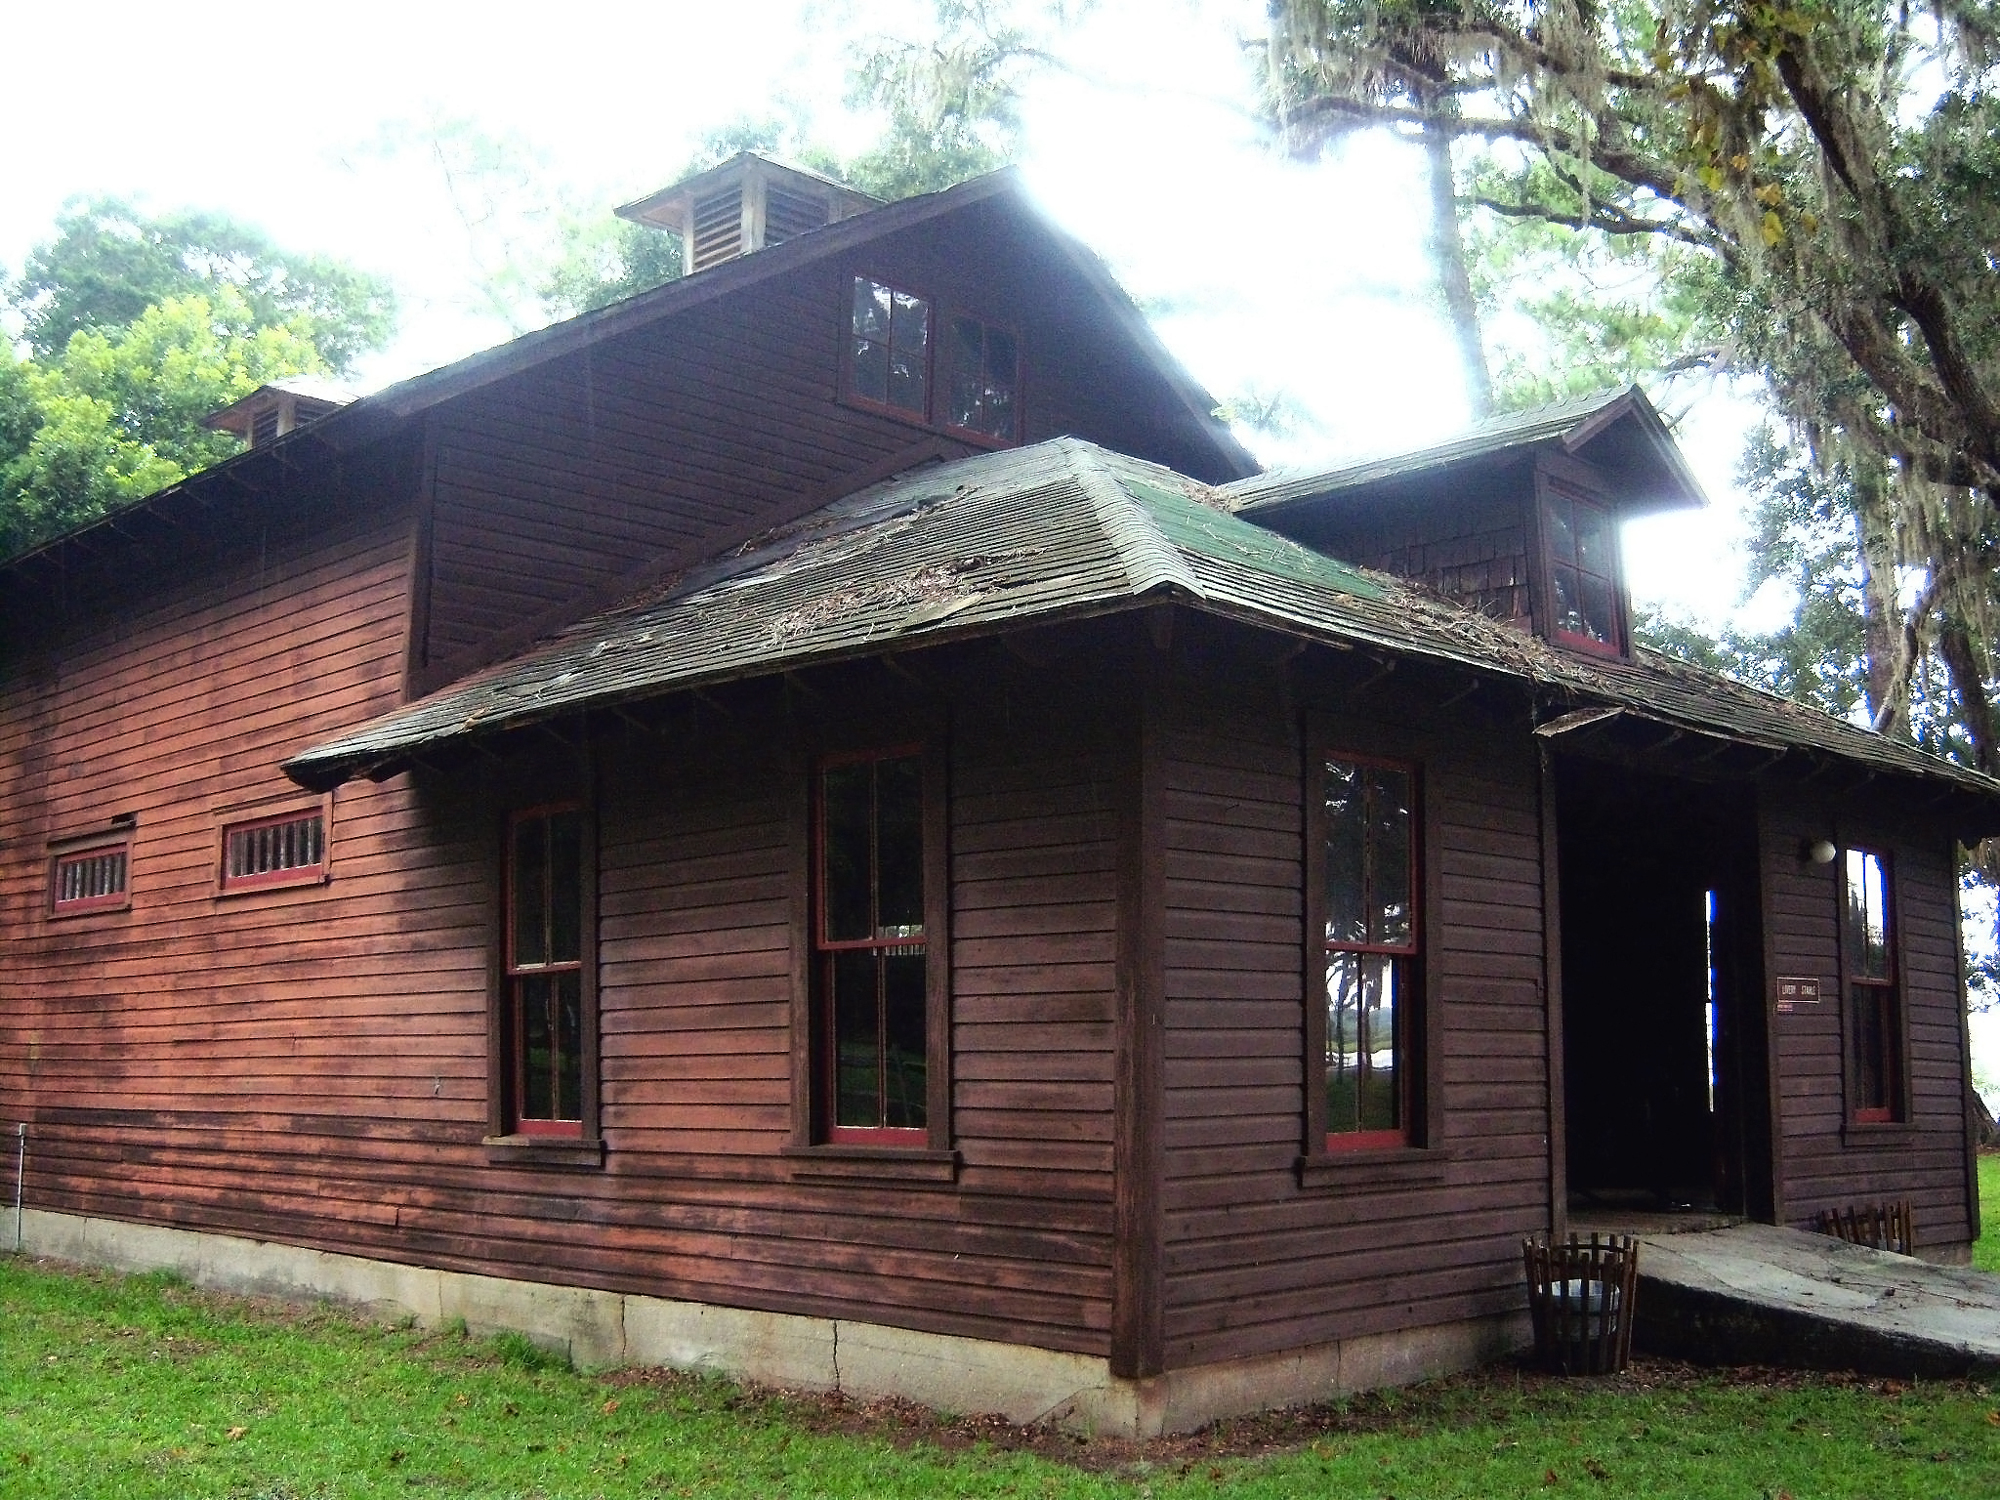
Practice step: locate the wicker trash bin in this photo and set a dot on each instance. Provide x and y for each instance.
(1581, 1295)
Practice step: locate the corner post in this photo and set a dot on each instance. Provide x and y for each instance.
(1138, 1302)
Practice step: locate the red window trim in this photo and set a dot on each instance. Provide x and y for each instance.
(516, 1122)
(1553, 487)
(848, 389)
(929, 419)
(1895, 1028)
(1369, 1140)
(973, 434)
(296, 875)
(73, 851)
(1407, 1135)
(826, 1060)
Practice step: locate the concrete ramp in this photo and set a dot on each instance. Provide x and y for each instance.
(1756, 1294)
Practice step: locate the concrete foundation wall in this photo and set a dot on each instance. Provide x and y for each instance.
(866, 1360)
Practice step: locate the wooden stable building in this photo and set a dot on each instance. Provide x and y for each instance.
(825, 822)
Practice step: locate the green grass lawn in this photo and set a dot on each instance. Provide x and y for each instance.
(1986, 1249)
(137, 1387)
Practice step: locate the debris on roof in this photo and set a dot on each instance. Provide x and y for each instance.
(1060, 530)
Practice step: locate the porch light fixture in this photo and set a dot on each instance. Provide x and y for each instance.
(1820, 851)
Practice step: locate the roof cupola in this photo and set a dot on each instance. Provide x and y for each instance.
(745, 204)
(278, 406)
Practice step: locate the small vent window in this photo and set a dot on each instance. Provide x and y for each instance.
(788, 215)
(90, 879)
(264, 427)
(718, 229)
(289, 849)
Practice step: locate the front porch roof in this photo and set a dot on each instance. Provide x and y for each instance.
(1029, 536)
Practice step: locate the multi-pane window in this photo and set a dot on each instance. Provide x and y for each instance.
(288, 849)
(985, 373)
(545, 979)
(872, 950)
(1368, 896)
(891, 332)
(91, 879)
(1583, 571)
(1874, 1024)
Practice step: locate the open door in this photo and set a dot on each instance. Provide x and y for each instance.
(1665, 1053)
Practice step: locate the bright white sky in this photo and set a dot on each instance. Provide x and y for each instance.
(1268, 273)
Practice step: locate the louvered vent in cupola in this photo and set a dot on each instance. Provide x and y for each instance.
(277, 408)
(788, 215)
(743, 205)
(718, 229)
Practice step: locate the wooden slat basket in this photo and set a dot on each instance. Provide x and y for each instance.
(1581, 1295)
(1880, 1226)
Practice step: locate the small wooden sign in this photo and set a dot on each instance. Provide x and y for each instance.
(1795, 992)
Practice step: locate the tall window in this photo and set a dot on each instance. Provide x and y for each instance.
(545, 979)
(891, 333)
(1874, 1010)
(1583, 572)
(985, 372)
(1368, 931)
(872, 949)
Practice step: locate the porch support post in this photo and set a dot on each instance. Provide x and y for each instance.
(1138, 1334)
(1552, 995)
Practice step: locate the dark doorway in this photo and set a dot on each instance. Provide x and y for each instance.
(1665, 1066)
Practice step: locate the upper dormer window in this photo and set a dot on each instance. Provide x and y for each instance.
(963, 377)
(1586, 599)
(892, 336)
(985, 371)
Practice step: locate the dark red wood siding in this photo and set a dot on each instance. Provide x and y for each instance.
(202, 1057)
(1824, 1161)
(1254, 1261)
(711, 422)
(311, 1066)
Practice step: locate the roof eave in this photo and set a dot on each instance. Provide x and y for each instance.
(325, 774)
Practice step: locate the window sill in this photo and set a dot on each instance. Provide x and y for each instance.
(1388, 1166)
(1872, 1133)
(315, 881)
(968, 437)
(543, 1151)
(105, 909)
(872, 1163)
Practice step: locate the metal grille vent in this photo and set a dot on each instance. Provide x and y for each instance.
(718, 228)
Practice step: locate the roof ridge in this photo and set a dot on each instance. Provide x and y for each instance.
(1151, 562)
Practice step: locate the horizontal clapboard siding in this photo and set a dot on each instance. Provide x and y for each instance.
(1824, 1163)
(1253, 1261)
(311, 1066)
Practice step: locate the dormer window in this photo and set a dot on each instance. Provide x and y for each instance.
(964, 376)
(985, 373)
(892, 335)
(1586, 598)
